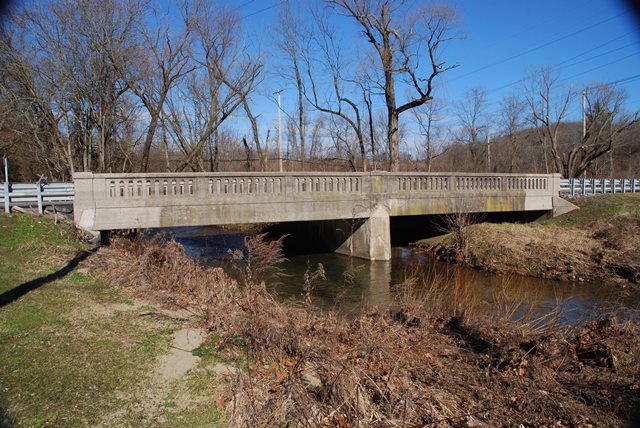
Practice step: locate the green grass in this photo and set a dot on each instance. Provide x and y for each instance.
(233, 353)
(65, 362)
(598, 208)
(205, 415)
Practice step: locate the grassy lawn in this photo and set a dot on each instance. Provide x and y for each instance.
(598, 208)
(74, 350)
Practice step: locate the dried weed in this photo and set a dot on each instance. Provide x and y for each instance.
(434, 361)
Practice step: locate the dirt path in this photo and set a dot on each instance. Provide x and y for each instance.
(180, 359)
(165, 385)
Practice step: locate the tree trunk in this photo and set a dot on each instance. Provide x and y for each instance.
(248, 153)
(392, 135)
(146, 151)
(371, 132)
(300, 113)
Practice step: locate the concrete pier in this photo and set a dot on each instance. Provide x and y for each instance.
(372, 240)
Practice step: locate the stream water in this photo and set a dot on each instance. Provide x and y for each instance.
(352, 284)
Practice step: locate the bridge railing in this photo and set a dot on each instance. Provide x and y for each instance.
(197, 185)
(447, 182)
(277, 185)
(592, 186)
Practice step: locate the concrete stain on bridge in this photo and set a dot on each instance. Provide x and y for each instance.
(445, 205)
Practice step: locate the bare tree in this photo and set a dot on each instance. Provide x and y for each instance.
(427, 117)
(30, 121)
(337, 101)
(262, 154)
(473, 122)
(398, 41)
(222, 78)
(368, 102)
(547, 112)
(290, 36)
(606, 120)
(512, 113)
(315, 150)
(57, 65)
(342, 138)
(151, 77)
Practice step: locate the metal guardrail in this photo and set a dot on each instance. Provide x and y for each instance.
(32, 194)
(593, 186)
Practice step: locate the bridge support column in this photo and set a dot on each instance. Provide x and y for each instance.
(372, 240)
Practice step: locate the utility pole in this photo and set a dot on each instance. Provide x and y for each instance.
(489, 151)
(584, 114)
(279, 133)
(584, 122)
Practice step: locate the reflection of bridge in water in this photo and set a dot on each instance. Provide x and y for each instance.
(127, 201)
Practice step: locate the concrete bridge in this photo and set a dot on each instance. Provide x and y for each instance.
(127, 201)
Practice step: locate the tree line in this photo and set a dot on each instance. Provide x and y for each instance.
(136, 86)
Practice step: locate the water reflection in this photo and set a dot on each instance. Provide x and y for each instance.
(352, 285)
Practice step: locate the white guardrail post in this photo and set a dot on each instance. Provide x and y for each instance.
(39, 194)
(593, 186)
(7, 196)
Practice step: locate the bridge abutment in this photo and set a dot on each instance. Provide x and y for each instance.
(372, 240)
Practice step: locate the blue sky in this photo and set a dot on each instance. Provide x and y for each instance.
(586, 41)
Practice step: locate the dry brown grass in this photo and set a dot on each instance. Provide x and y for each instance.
(525, 250)
(598, 243)
(432, 362)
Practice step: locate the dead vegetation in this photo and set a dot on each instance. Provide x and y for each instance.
(599, 243)
(434, 361)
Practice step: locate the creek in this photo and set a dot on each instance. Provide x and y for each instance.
(351, 285)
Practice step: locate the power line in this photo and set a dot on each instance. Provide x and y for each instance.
(628, 79)
(599, 67)
(538, 47)
(247, 3)
(598, 47)
(559, 15)
(597, 56)
(262, 10)
(560, 67)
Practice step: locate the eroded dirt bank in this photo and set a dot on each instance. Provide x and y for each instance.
(600, 242)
